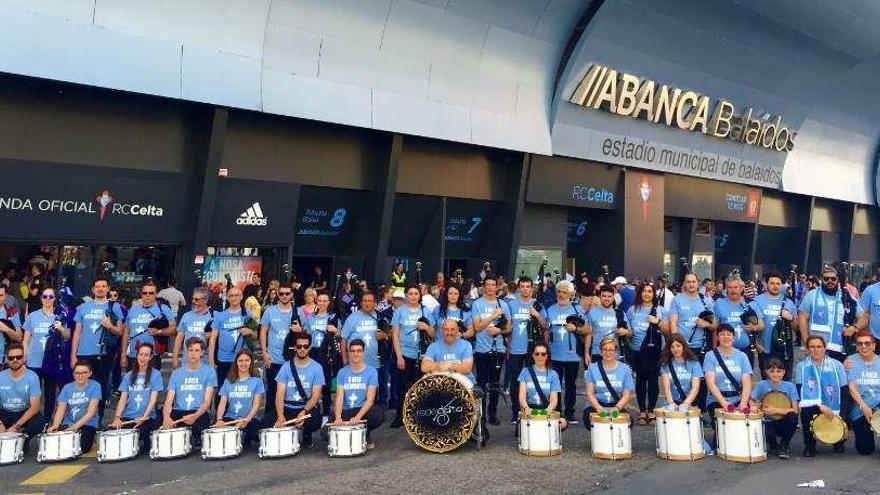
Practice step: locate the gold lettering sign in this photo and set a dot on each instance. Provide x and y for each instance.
(627, 95)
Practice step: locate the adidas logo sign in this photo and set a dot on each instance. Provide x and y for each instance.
(253, 216)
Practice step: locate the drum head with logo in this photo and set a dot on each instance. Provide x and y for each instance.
(439, 413)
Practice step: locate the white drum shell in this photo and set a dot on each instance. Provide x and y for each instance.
(539, 436)
(347, 440)
(11, 448)
(740, 439)
(611, 440)
(170, 443)
(118, 445)
(679, 439)
(59, 446)
(221, 443)
(279, 442)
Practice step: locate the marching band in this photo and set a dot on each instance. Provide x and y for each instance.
(273, 378)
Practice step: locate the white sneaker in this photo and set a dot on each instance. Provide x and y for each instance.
(371, 445)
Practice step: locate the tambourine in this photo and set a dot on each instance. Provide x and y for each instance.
(875, 422)
(828, 429)
(778, 400)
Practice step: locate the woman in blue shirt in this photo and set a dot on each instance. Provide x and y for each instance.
(77, 408)
(241, 396)
(821, 382)
(545, 379)
(451, 306)
(864, 388)
(601, 398)
(139, 392)
(646, 322)
(682, 373)
(730, 388)
(37, 327)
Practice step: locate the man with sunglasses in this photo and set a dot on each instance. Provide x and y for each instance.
(356, 387)
(822, 313)
(277, 321)
(138, 327)
(297, 396)
(19, 396)
(194, 323)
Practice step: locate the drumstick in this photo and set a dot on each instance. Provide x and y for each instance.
(175, 423)
(297, 420)
(134, 421)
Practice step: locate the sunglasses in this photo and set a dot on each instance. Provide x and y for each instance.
(286, 293)
(355, 351)
(539, 353)
(150, 293)
(298, 346)
(199, 298)
(864, 343)
(18, 357)
(830, 279)
(48, 297)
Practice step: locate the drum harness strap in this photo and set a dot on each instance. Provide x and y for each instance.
(614, 394)
(694, 331)
(299, 385)
(676, 382)
(736, 385)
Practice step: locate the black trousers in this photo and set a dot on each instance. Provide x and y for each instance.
(489, 366)
(515, 364)
(807, 415)
(864, 436)
(647, 380)
(197, 428)
(567, 371)
(780, 431)
(269, 415)
(375, 416)
(144, 431)
(31, 428)
(51, 389)
(309, 426)
(251, 431)
(704, 390)
(222, 373)
(101, 374)
(406, 377)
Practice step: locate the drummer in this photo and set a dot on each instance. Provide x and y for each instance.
(453, 353)
(821, 382)
(77, 406)
(138, 395)
(356, 387)
(681, 374)
(190, 391)
(539, 386)
(864, 387)
(610, 383)
(777, 431)
(241, 397)
(298, 390)
(19, 395)
(728, 376)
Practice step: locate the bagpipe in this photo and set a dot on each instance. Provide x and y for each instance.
(534, 330)
(849, 308)
(424, 339)
(782, 340)
(330, 349)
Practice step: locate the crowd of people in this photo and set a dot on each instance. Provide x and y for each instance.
(348, 356)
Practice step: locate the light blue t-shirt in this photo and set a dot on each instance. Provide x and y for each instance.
(459, 314)
(138, 319)
(310, 375)
(620, 377)
(768, 308)
(867, 379)
(89, 314)
(405, 320)
(547, 380)
(37, 324)
(278, 325)
(483, 308)
(228, 326)
(729, 312)
(316, 325)
(764, 387)
(826, 316)
(240, 396)
(688, 310)
(519, 332)
(870, 301)
(637, 316)
(355, 385)
(16, 395)
(737, 363)
(563, 344)
(194, 324)
(139, 394)
(603, 322)
(457, 353)
(360, 325)
(190, 386)
(820, 385)
(77, 401)
(686, 371)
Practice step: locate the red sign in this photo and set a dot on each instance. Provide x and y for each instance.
(754, 204)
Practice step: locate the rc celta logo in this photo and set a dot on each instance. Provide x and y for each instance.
(104, 199)
(645, 195)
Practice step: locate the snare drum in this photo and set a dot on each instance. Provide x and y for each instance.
(59, 446)
(221, 443)
(679, 434)
(279, 442)
(610, 438)
(828, 429)
(539, 436)
(740, 437)
(170, 443)
(11, 448)
(347, 440)
(118, 445)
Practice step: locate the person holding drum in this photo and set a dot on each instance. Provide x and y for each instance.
(728, 376)
(864, 388)
(682, 374)
(564, 327)
(190, 391)
(19, 396)
(539, 386)
(609, 383)
(298, 391)
(277, 321)
(821, 382)
(194, 323)
(411, 325)
(648, 327)
(356, 387)
(453, 353)
(77, 408)
(778, 400)
(138, 394)
(491, 322)
(241, 397)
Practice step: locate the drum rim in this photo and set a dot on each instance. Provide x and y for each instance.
(738, 416)
(680, 457)
(117, 433)
(692, 412)
(743, 459)
(346, 427)
(540, 453)
(622, 418)
(222, 429)
(775, 393)
(835, 420)
(612, 457)
(408, 424)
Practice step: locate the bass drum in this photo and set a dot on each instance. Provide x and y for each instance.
(440, 412)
